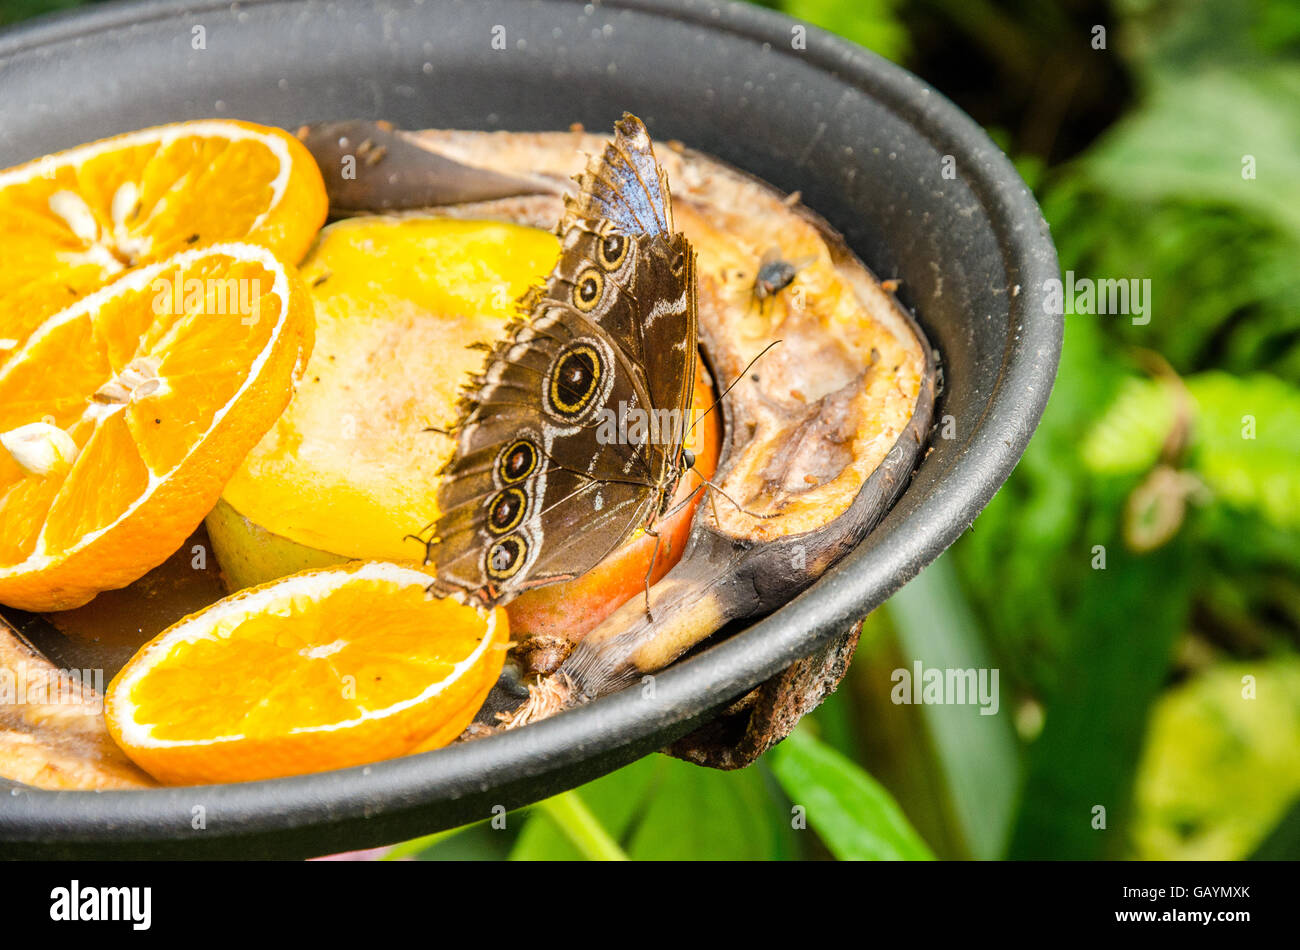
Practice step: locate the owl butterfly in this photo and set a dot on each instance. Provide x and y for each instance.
(546, 480)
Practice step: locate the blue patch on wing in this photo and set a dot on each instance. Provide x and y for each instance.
(625, 185)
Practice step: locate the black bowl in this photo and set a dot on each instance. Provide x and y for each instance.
(863, 140)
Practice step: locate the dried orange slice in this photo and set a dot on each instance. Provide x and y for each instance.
(71, 221)
(123, 416)
(321, 670)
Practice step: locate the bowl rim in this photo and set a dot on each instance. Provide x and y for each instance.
(372, 804)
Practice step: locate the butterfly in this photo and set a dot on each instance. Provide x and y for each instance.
(572, 436)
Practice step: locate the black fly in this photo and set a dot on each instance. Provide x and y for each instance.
(775, 274)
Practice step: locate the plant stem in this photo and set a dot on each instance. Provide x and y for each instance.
(572, 816)
(414, 847)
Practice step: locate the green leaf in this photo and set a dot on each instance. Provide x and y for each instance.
(1221, 766)
(614, 800)
(583, 829)
(1283, 842)
(1175, 36)
(1244, 439)
(1247, 448)
(1120, 642)
(416, 847)
(976, 753)
(660, 808)
(477, 842)
(11, 11)
(1190, 137)
(1127, 438)
(855, 817)
(699, 814)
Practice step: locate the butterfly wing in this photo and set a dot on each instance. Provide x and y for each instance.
(534, 493)
(545, 481)
(641, 291)
(623, 262)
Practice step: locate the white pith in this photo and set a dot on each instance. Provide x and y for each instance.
(40, 449)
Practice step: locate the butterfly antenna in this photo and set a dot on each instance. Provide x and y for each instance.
(747, 368)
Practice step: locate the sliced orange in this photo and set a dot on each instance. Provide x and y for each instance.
(321, 670)
(123, 416)
(71, 221)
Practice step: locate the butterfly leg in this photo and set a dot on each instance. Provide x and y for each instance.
(738, 506)
(650, 570)
(685, 501)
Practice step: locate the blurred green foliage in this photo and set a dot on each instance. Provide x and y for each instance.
(1200, 790)
(1137, 581)
(1193, 188)
(870, 23)
(11, 11)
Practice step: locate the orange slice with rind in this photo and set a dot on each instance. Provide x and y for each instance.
(124, 415)
(71, 221)
(321, 670)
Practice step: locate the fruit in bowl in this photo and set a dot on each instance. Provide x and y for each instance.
(363, 476)
(351, 469)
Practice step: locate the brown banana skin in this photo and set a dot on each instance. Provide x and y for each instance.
(732, 568)
(373, 167)
(720, 578)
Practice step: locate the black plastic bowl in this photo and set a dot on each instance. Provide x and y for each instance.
(862, 139)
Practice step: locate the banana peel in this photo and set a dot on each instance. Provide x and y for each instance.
(822, 433)
(52, 731)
